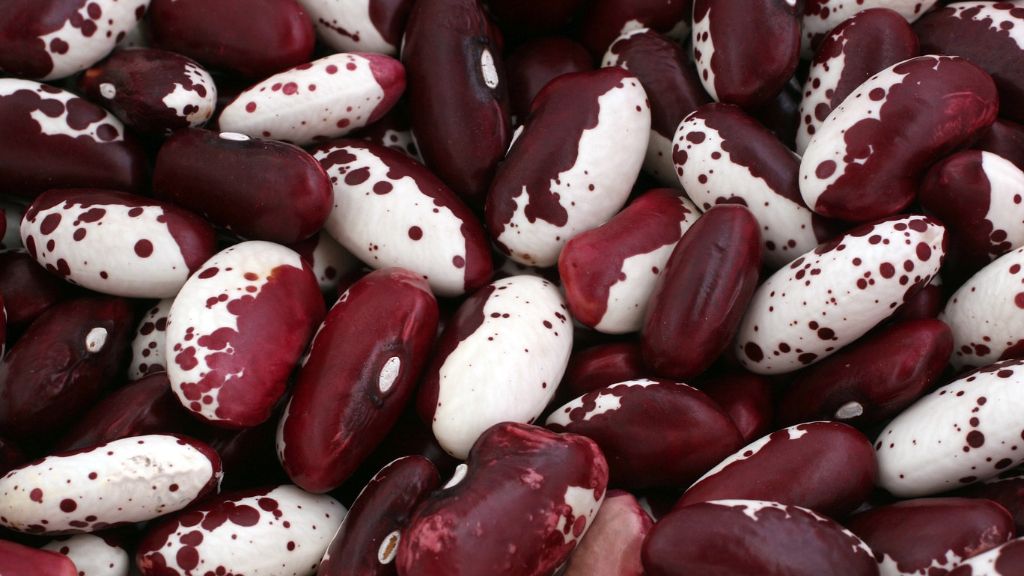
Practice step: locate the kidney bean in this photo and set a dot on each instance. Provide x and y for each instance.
(62, 364)
(93, 555)
(606, 20)
(1006, 139)
(391, 211)
(575, 159)
(1005, 560)
(601, 366)
(925, 303)
(702, 293)
(250, 38)
(1006, 489)
(319, 100)
(746, 398)
(256, 188)
(745, 52)
(777, 539)
(959, 434)
(146, 250)
(360, 372)
(56, 38)
(519, 19)
(518, 506)
(781, 115)
(148, 354)
(237, 329)
(328, 259)
(537, 62)
(610, 272)
(722, 155)
(128, 480)
(987, 314)
(27, 289)
(461, 124)
(671, 84)
(980, 198)
(636, 425)
(822, 301)
(614, 541)
(867, 158)
(825, 466)
(19, 560)
(394, 131)
(821, 16)
(54, 139)
(278, 530)
(248, 456)
(367, 542)
(853, 51)
(989, 35)
(360, 26)
(873, 379)
(931, 535)
(152, 91)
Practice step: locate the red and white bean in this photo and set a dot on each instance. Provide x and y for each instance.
(362, 25)
(93, 555)
(821, 16)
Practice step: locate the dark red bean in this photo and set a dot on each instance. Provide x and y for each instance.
(258, 189)
(606, 20)
(19, 560)
(253, 38)
(781, 115)
(248, 456)
(821, 16)
(746, 398)
(925, 303)
(394, 131)
(28, 290)
(531, 66)
(599, 367)
(612, 545)
(520, 18)
(1006, 139)
(1006, 489)
(703, 293)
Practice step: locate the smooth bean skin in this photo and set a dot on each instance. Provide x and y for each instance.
(19, 560)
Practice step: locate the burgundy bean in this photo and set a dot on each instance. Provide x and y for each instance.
(521, 18)
(146, 406)
(62, 364)
(671, 84)
(360, 26)
(361, 370)
(867, 158)
(925, 303)
(536, 63)
(821, 16)
(572, 166)
(258, 189)
(328, 259)
(248, 456)
(746, 398)
(873, 379)
(834, 294)
(989, 35)
(146, 250)
(825, 466)
(318, 100)
(518, 507)
(253, 38)
(599, 367)
(19, 560)
(461, 124)
(51, 39)
(1006, 560)
(1006, 139)
(1006, 489)
(152, 91)
(722, 155)
(125, 481)
(931, 535)
(148, 352)
(702, 293)
(10, 456)
(613, 544)
(610, 272)
(280, 530)
(781, 115)
(367, 542)
(27, 289)
(237, 329)
(980, 198)
(393, 130)
(753, 537)
(391, 211)
(93, 555)
(746, 52)
(853, 51)
(962, 433)
(54, 139)
(637, 426)
(606, 20)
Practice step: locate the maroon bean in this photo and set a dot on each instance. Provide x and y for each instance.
(746, 52)
(260, 189)
(1006, 560)
(531, 19)
(612, 545)
(931, 535)
(599, 367)
(54, 139)
(1006, 139)
(867, 158)
(702, 293)
(360, 372)
(873, 379)
(781, 115)
(777, 540)
(394, 131)
(1006, 489)
(746, 398)
(361, 26)
(253, 38)
(367, 542)
(636, 425)
(825, 466)
(19, 560)
(925, 303)
(518, 507)
(821, 16)
(248, 456)
(461, 124)
(536, 63)
(61, 365)
(606, 20)
(27, 289)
